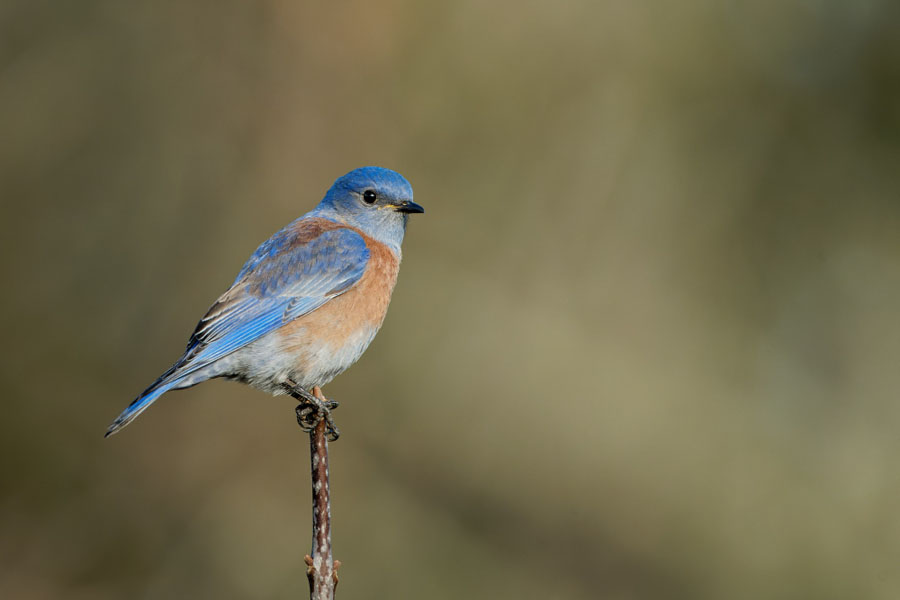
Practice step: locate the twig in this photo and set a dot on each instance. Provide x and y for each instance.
(321, 568)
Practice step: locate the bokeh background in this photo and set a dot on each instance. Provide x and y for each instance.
(644, 343)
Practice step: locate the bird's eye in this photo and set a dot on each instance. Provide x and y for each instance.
(369, 197)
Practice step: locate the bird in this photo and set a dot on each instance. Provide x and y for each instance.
(306, 304)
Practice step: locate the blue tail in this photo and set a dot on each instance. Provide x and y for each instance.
(143, 402)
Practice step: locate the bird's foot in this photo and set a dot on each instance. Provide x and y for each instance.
(313, 409)
(309, 415)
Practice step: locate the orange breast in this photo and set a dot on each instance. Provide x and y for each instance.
(333, 336)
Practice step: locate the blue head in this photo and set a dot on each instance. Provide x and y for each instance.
(375, 200)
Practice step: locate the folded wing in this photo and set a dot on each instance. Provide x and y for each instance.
(292, 274)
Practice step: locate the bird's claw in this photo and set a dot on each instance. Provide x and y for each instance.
(314, 409)
(310, 414)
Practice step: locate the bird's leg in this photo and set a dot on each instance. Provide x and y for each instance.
(313, 408)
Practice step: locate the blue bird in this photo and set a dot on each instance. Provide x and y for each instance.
(307, 303)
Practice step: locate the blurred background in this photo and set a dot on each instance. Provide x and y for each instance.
(644, 342)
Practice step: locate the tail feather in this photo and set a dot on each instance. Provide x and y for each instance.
(143, 402)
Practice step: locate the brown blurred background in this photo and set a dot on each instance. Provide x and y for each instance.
(644, 343)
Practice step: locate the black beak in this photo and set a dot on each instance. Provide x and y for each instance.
(408, 206)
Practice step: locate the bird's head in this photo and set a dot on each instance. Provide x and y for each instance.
(375, 200)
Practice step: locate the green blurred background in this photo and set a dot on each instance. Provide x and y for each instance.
(644, 343)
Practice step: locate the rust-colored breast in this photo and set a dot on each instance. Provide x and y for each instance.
(348, 318)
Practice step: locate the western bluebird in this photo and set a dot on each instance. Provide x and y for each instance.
(307, 303)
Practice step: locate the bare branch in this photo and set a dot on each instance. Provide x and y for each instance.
(321, 567)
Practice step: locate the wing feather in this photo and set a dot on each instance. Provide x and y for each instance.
(292, 274)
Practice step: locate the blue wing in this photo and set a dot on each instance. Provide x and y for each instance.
(296, 271)
(289, 276)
